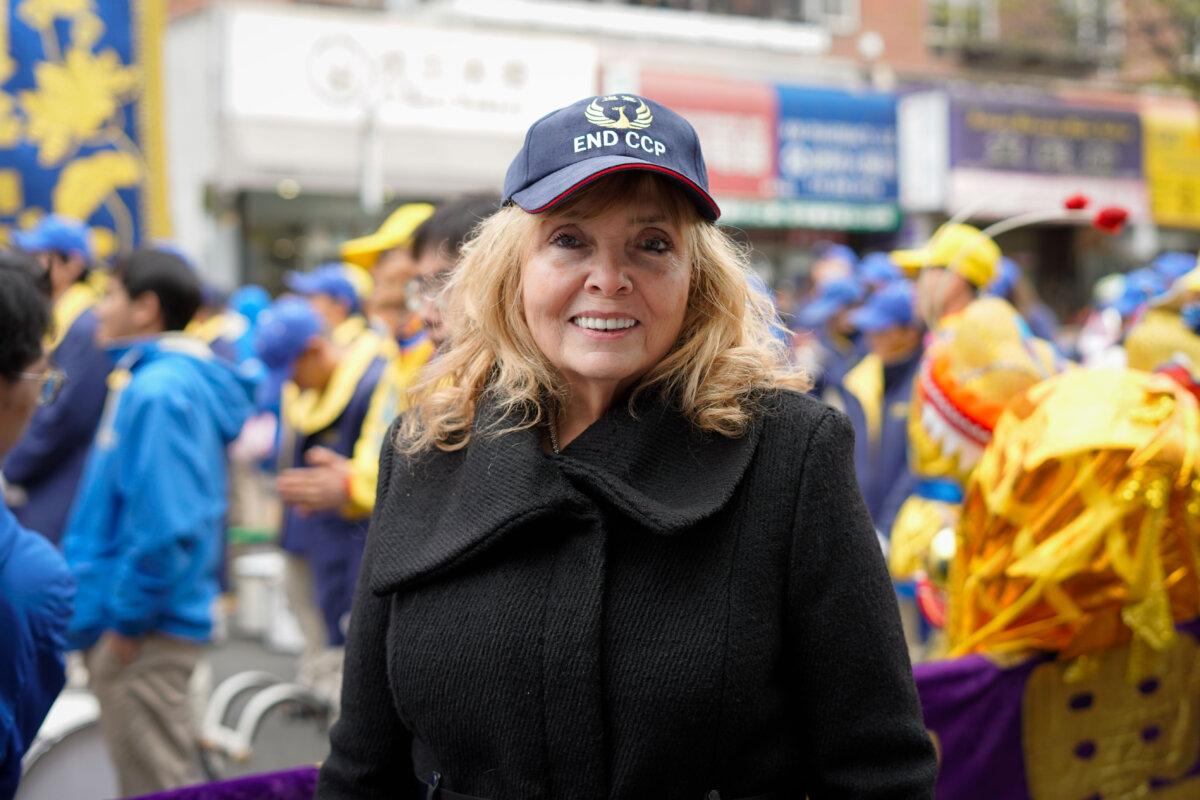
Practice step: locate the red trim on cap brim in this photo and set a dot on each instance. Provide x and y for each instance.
(624, 167)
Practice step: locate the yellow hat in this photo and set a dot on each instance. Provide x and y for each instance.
(962, 249)
(395, 231)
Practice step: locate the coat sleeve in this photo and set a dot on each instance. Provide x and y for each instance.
(853, 694)
(59, 428)
(369, 746)
(36, 592)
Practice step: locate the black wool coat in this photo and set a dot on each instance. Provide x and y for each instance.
(654, 613)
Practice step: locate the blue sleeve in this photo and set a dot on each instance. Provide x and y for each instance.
(62, 426)
(36, 595)
(165, 508)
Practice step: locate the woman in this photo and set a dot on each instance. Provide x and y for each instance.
(616, 553)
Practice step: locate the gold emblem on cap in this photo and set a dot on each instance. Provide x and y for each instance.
(597, 115)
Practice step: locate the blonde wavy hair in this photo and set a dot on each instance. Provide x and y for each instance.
(725, 360)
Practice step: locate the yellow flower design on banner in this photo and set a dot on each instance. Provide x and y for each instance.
(40, 14)
(74, 100)
(10, 123)
(87, 182)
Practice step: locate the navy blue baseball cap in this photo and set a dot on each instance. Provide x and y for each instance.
(572, 147)
(890, 307)
(878, 269)
(56, 233)
(282, 335)
(834, 296)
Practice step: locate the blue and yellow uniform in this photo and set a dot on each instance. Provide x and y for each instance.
(48, 461)
(333, 417)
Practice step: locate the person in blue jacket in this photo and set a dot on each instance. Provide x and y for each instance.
(326, 390)
(36, 588)
(144, 536)
(43, 470)
(876, 396)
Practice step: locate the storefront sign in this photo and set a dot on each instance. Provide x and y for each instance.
(837, 152)
(736, 122)
(1172, 138)
(1053, 140)
(328, 69)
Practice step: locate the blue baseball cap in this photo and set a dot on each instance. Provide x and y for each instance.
(283, 333)
(1006, 279)
(838, 252)
(890, 307)
(56, 233)
(1173, 265)
(250, 301)
(327, 279)
(1141, 286)
(570, 148)
(835, 296)
(878, 268)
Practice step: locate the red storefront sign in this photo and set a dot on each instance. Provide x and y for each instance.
(737, 122)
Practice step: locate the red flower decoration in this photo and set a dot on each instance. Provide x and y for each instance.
(1076, 202)
(1110, 219)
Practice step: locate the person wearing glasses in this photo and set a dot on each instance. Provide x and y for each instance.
(36, 588)
(43, 470)
(335, 481)
(616, 551)
(144, 537)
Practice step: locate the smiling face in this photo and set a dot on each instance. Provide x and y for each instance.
(605, 294)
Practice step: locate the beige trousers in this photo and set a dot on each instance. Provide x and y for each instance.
(145, 715)
(320, 666)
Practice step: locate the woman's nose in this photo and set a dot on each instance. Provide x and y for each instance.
(609, 275)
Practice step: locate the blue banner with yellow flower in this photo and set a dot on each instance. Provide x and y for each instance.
(81, 117)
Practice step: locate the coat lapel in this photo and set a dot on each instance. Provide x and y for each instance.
(649, 463)
(655, 467)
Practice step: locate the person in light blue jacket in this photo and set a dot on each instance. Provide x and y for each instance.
(144, 537)
(36, 588)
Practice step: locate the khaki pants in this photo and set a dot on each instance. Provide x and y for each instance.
(320, 666)
(145, 715)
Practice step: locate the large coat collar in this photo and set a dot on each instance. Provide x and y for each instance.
(652, 466)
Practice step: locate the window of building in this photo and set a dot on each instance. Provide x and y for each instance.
(959, 21)
(1095, 26)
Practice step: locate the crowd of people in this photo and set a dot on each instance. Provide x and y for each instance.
(138, 404)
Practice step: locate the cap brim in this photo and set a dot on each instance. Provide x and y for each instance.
(816, 314)
(911, 261)
(365, 250)
(28, 241)
(869, 320)
(302, 283)
(560, 185)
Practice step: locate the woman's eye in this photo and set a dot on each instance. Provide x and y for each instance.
(656, 244)
(565, 240)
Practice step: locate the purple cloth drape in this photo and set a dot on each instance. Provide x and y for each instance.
(299, 783)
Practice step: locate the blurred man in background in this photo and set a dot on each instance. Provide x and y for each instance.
(36, 588)
(327, 389)
(45, 466)
(144, 536)
(338, 293)
(878, 390)
(387, 255)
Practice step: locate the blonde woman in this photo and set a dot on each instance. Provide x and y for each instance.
(616, 552)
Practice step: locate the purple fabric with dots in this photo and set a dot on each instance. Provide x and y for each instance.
(974, 709)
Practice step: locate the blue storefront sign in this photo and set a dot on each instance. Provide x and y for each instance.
(837, 158)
